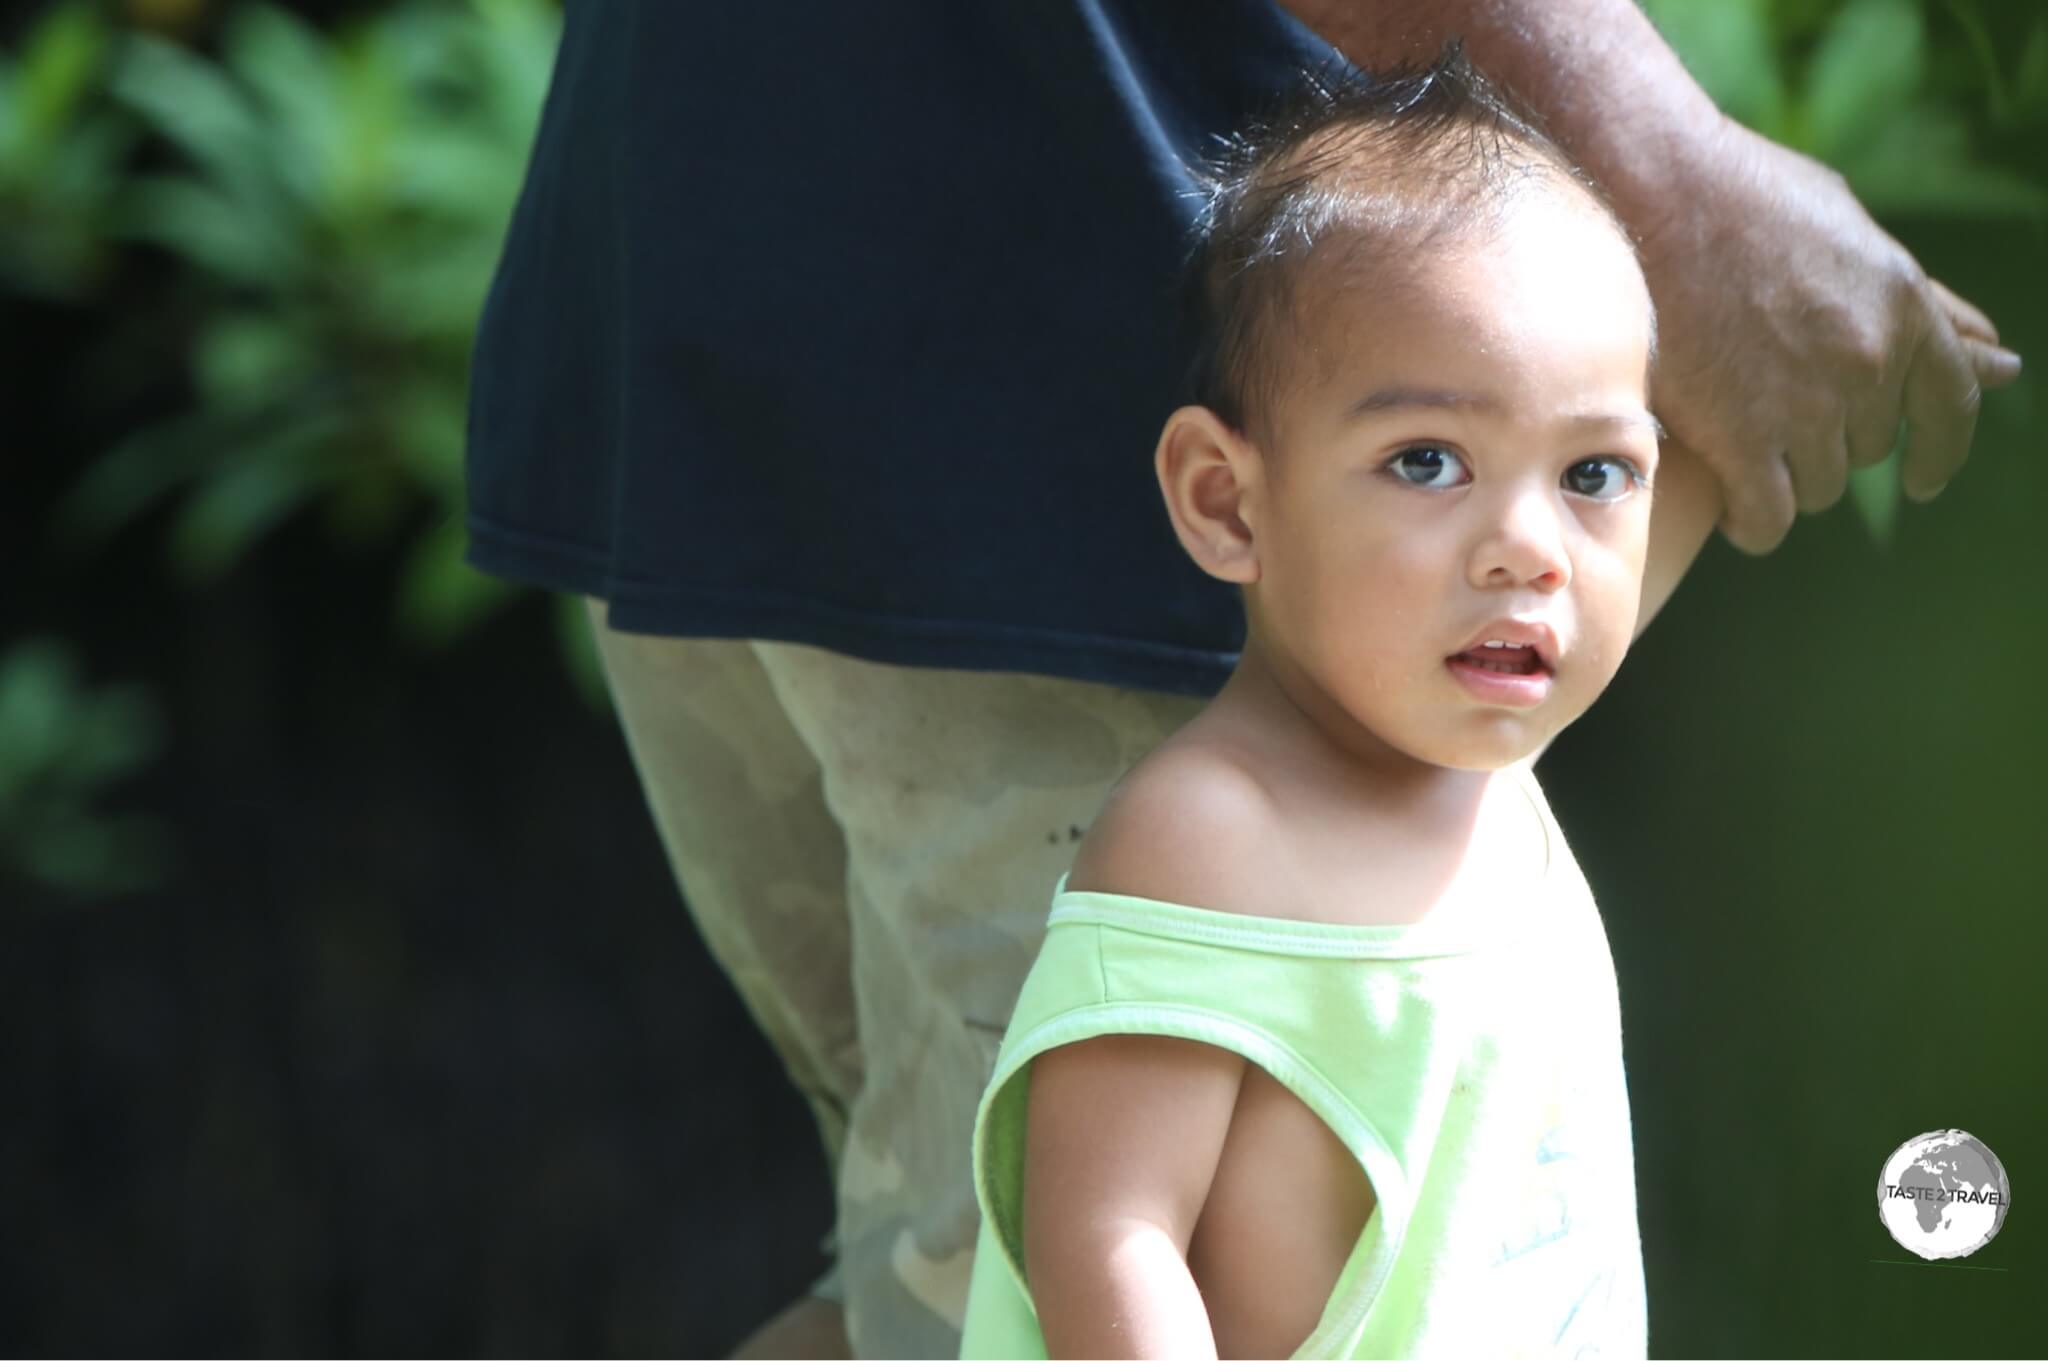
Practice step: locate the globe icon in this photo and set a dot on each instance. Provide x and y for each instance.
(1943, 1194)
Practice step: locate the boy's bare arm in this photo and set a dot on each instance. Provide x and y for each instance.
(1685, 505)
(1123, 1134)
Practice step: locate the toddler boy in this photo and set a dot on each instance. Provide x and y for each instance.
(1322, 1054)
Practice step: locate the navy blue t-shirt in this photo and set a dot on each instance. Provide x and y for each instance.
(855, 325)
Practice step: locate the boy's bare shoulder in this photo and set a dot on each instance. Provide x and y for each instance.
(1199, 823)
(1188, 824)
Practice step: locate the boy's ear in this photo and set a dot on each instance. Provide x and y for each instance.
(1205, 471)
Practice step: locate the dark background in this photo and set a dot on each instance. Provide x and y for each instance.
(418, 1054)
(412, 1047)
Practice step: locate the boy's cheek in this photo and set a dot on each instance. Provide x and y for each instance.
(1607, 615)
(1630, 534)
(1622, 558)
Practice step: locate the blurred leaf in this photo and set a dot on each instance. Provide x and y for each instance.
(60, 156)
(90, 165)
(124, 482)
(37, 679)
(62, 56)
(438, 170)
(432, 422)
(60, 745)
(425, 45)
(434, 292)
(195, 106)
(1969, 17)
(513, 54)
(2030, 81)
(1869, 62)
(1918, 162)
(102, 856)
(441, 595)
(1875, 493)
(579, 649)
(268, 480)
(1727, 48)
(118, 732)
(2030, 78)
(364, 506)
(344, 197)
(372, 104)
(196, 220)
(286, 64)
(1946, 190)
(244, 359)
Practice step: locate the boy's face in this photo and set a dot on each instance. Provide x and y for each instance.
(1464, 450)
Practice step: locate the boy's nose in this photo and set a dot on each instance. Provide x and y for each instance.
(1524, 546)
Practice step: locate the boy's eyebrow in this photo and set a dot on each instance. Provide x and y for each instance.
(1399, 398)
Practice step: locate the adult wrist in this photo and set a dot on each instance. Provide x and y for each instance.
(1607, 86)
(1668, 188)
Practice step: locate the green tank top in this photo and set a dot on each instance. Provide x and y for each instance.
(1471, 1062)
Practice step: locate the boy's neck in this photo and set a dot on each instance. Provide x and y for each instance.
(1298, 735)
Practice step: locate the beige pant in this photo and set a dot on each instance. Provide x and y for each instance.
(870, 852)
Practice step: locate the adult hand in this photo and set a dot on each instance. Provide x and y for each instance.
(1794, 335)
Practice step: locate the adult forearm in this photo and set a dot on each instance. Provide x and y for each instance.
(1608, 88)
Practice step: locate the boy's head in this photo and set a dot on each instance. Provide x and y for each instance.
(1420, 418)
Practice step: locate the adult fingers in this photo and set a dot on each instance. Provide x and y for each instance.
(1874, 425)
(1761, 507)
(1995, 365)
(1821, 475)
(1968, 319)
(1942, 395)
(1873, 429)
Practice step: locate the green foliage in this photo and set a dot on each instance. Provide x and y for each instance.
(1875, 493)
(2016, 101)
(60, 746)
(341, 200)
(1851, 86)
(1855, 85)
(60, 157)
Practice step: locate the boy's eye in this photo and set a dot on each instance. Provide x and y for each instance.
(1603, 479)
(1428, 465)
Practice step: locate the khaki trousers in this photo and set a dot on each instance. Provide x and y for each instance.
(870, 852)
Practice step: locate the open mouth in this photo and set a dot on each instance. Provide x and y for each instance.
(1506, 661)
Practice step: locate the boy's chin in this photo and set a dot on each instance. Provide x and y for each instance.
(1491, 743)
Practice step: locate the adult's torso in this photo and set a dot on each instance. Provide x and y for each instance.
(855, 325)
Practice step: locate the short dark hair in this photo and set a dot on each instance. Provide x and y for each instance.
(1392, 160)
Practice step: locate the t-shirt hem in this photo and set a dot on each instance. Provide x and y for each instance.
(676, 609)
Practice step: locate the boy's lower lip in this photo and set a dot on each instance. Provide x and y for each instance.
(1499, 687)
